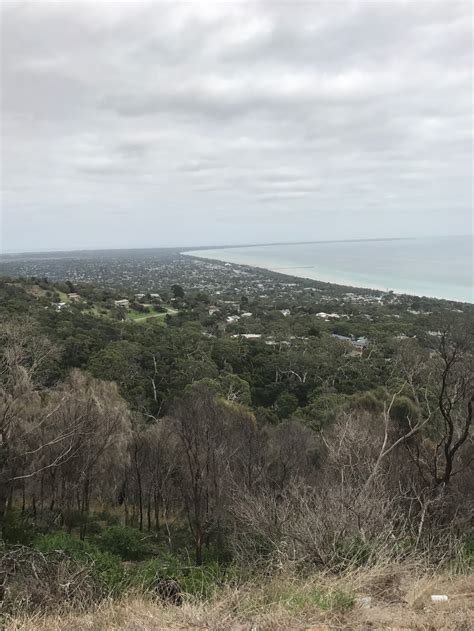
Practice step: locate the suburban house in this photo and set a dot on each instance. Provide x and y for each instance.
(124, 302)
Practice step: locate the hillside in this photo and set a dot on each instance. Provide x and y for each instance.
(270, 457)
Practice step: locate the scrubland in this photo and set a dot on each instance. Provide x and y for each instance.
(400, 598)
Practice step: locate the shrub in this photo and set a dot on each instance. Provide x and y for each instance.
(127, 543)
(200, 582)
(18, 528)
(105, 567)
(354, 551)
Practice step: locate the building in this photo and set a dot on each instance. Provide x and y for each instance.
(342, 338)
(327, 316)
(123, 302)
(232, 319)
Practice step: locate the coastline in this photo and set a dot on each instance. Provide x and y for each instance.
(320, 276)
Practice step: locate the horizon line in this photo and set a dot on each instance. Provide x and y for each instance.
(224, 246)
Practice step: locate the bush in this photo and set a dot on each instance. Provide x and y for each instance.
(106, 568)
(200, 582)
(18, 528)
(127, 543)
(354, 551)
(69, 544)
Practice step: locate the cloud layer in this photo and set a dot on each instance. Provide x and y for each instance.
(155, 123)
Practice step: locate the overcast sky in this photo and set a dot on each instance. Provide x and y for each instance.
(200, 123)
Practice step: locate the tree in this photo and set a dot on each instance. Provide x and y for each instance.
(98, 423)
(178, 291)
(197, 423)
(442, 383)
(24, 355)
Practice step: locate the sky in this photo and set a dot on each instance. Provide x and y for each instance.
(153, 124)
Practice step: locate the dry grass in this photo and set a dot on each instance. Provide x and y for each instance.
(400, 600)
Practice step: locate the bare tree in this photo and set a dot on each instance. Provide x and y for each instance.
(99, 426)
(23, 354)
(442, 384)
(197, 423)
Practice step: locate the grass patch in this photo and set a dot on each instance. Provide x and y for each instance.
(296, 596)
(139, 316)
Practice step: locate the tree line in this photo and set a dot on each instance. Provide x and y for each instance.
(387, 464)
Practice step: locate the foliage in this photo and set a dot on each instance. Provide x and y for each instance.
(127, 543)
(201, 582)
(105, 567)
(262, 441)
(18, 528)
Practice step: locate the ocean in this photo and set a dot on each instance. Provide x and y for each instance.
(439, 267)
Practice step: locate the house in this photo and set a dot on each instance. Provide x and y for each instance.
(249, 336)
(285, 312)
(246, 314)
(231, 305)
(74, 297)
(342, 338)
(231, 319)
(361, 342)
(123, 302)
(213, 309)
(327, 316)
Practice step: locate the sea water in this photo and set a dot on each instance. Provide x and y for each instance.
(440, 267)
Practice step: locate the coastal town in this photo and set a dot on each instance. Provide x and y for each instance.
(227, 299)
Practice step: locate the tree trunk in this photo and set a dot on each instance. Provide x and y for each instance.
(198, 548)
(156, 509)
(3, 505)
(140, 490)
(148, 512)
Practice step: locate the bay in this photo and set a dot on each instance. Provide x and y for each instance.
(439, 267)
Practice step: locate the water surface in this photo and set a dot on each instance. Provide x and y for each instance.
(440, 267)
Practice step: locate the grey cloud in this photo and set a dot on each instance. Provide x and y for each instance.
(353, 117)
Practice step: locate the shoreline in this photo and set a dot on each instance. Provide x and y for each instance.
(340, 282)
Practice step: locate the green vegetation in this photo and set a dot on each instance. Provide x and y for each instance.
(151, 446)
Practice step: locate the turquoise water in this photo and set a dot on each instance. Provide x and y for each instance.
(439, 267)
